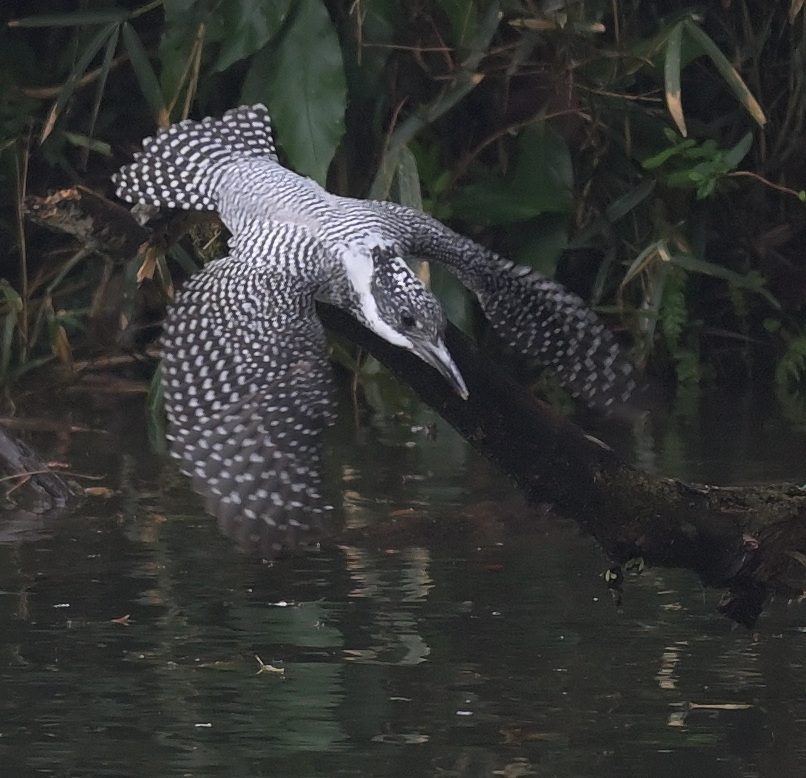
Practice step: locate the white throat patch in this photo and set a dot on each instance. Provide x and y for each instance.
(357, 256)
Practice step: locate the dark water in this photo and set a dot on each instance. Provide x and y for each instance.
(129, 630)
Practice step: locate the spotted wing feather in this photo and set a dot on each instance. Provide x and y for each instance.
(248, 394)
(545, 320)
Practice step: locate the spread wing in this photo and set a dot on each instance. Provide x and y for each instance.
(538, 316)
(248, 394)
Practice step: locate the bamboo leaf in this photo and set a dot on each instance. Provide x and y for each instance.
(12, 297)
(111, 47)
(144, 73)
(627, 202)
(463, 16)
(7, 345)
(181, 43)
(398, 166)
(408, 181)
(752, 281)
(78, 70)
(728, 72)
(644, 259)
(73, 19)
(671, 76)
(91, 144)
(735, 155)
(60, 345)
(382, 183)
(183, 259)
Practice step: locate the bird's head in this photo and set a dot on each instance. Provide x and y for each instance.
(409, 316)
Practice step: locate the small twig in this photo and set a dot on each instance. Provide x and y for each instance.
(418, 49)
(50, 92)
(22, 185)
(619, 95)
(464, 163)
(24, 476)
(265, 668)
(43, 425)
(765, 181)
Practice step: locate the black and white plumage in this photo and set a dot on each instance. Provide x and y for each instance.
(230, 165)
(247, 390)
(535, 314)
(246, 381)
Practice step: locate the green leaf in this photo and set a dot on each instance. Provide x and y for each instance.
(183, 259)
(541, 182)
(727, 71)
(73, 18)
(155, 413)
(454, 297)
(12, 297)
(539, 243)
(706, 189)
(382, 183)
(184, 20)
(408, 181)
(621, 207)
(752, 281)
(463, 16)
(660, 158)
(100, 86)
(671, 76)
(7, 345)
(735, 155)
(84, 141)
(673, 310)
(301, 78)
(247, 26)
(81, 65)
(398, 179)
(144, 73)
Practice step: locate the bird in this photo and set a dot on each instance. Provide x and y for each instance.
(246, 383)
(247, 386)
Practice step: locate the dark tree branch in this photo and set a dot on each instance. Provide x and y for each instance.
(751, 541)
(37, 488)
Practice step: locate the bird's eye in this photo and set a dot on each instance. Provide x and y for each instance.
(407, 320)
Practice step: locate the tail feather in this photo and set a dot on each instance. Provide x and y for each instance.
(175, 168)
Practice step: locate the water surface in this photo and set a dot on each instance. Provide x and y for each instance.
(134, 640)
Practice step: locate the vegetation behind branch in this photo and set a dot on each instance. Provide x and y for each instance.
(648, 154)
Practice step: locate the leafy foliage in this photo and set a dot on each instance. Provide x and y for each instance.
(648, 152)
(307, 93)
(698, 166)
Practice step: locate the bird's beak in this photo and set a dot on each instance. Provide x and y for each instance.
(438, 356)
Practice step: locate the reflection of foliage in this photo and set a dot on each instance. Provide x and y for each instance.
(550, 128)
